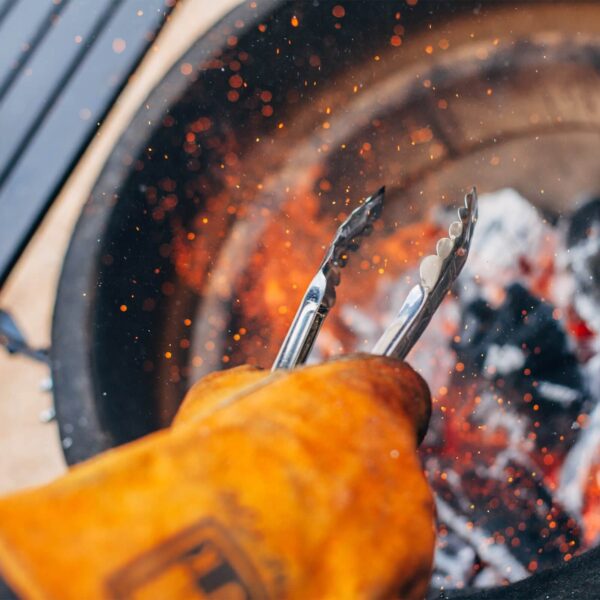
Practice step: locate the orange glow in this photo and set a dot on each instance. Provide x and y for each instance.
(420, 136)
(235, 81)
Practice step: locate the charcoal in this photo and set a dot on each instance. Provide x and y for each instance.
(519, 392)
(530, 531)
(582, 222)
(526, 353)
(583, 241)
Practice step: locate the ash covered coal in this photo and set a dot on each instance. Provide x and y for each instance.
(583, 259)
(513, 361)
(579, 483)
(509, 529)
(523, 348)
(505, 445)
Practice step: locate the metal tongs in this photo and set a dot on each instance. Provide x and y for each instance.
(437, 274)
(320, 295)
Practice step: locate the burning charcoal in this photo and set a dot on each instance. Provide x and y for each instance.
(576, 478)
(454, 562)
(505, 515)
(583, 240)
(508, 415)
(493, 492)
(521, 346)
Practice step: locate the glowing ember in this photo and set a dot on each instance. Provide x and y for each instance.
(503, 357)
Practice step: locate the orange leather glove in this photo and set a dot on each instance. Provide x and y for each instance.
(293, 484)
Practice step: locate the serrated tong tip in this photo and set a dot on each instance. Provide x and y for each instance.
(320, 296)
(437, 273)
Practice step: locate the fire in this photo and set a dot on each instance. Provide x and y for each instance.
(591, 513)
(497, 448)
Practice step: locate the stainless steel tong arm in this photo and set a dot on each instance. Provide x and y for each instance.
(320, 295)
(437, 274)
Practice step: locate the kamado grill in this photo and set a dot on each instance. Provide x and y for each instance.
(202, 233)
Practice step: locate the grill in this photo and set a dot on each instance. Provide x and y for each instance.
(205, 225)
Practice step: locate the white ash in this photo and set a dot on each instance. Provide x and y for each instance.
(518, 448)
(509, 232)
(504, 359)
(497, 556)
(562, 286)
(364, 325)
(560, 394)
(486, 578)
(453, 564)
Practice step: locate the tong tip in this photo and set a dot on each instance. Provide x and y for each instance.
(437, 273)
(375, 203)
